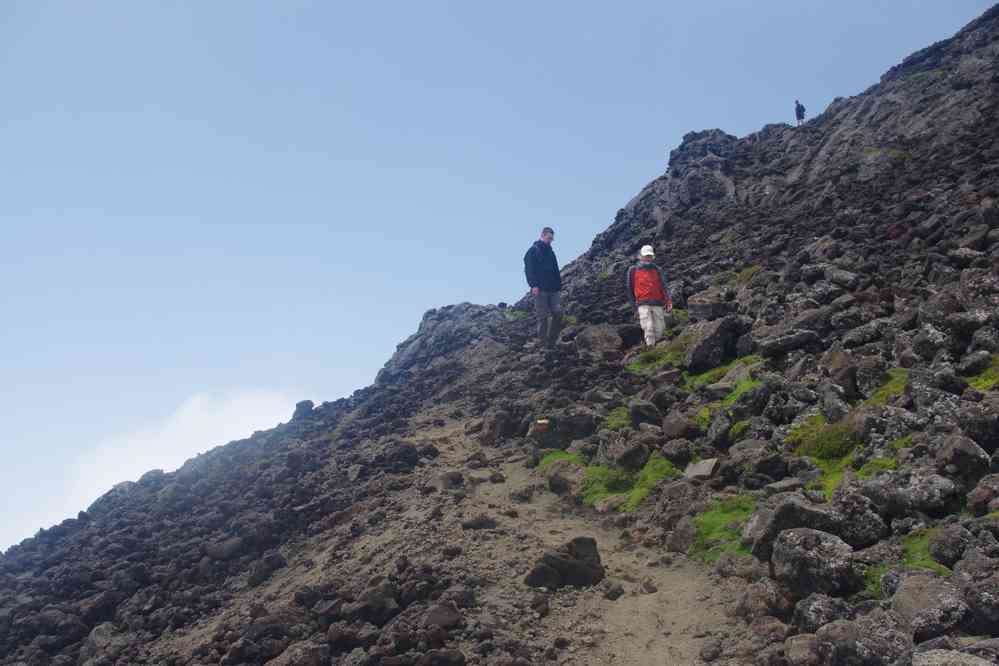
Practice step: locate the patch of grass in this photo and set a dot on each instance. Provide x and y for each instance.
(742, 387)
(618, 419)
(988, 378)
(816, 438)
(718, 530)
(655, 470)
(917, 552)
(738, 429)
(681, 315)
(872, 580)
(604, 275)
(916, 549)
(901, 443)
(895, 385)
(601, 482)
(703, 418)
(927, 75)
(515, 315)
(692, 382)
(652, 360)
(829, 446)
(833, 472)
(745, 275)
(875, 465)
(560, 455)
(570, 320)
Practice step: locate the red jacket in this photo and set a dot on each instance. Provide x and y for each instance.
(646, 285)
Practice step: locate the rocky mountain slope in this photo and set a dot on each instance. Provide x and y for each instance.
(804, 473)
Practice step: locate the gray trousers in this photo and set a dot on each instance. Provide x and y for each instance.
(548, 308)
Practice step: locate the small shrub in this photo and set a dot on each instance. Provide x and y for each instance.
(875, 465)
(895, 385)
(692, 382)
(816, 438)
(681, 315)
(604, 275)
(872, 580)
(655, 470)
(917, 552)
(570, 320)
(703, 418)
(618, 419)
(738, 429)
(554, 456)
(652, 360)
(742, 387)
(718, 530)
(988, 378)
(745, 275)
(901, 443)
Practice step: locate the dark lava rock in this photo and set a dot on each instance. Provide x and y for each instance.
(576, 564)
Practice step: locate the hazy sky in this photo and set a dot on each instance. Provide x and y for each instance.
(210, 210)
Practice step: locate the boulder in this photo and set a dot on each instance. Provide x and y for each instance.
(305, 653)
(948, 544)
(702, 469)
(961, 457)
(643, 411)
(930, 605)
(861, 525)
(784, 512)
(806, 560)
(678, 451)
(985, 496)
(982, 597)
(980, 421)
(762, 598)
(599, 339)
(576, 564)
(816, 610)
(948, 658)
(622, 451)
(783, 343)
(713, 342)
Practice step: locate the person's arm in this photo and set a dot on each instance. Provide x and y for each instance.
(631, 286)
(530, 268)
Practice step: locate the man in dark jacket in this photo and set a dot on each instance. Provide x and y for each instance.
(647, 293)
(541, 269)
(799, 112)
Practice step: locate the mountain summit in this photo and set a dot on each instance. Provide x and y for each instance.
(805, 472)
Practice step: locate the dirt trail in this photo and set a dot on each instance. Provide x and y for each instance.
(671, 606)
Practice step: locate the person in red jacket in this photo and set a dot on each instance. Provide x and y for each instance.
(647, 292)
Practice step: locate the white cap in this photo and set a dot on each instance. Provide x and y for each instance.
(647, 251)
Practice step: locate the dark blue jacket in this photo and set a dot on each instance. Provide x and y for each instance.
(541, 267)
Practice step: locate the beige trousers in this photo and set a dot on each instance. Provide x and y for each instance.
(653, 321)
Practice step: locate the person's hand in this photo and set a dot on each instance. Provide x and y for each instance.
(535, 290)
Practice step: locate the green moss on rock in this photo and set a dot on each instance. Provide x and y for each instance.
(718, 530)
(895, 385)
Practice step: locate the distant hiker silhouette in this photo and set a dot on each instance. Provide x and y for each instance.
(541, 269)
(647, 293)
(799, 112)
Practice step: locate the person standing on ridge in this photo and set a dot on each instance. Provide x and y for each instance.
(799, 112)
(647, 292)
(541, 269)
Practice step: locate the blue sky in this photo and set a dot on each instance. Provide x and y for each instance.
(211, 210)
